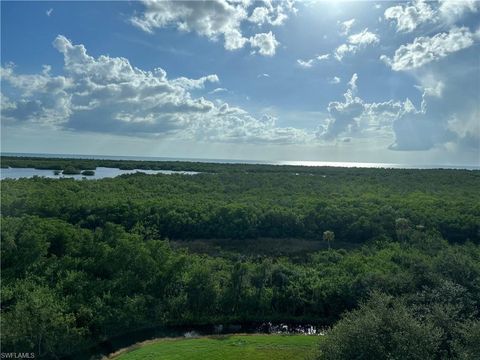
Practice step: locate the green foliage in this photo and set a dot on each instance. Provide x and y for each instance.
(467, 342)
(70, 170)
(38, 321)
(382, 328)
(84, 261)
(434, 323)
(252, 201)
(88, 172)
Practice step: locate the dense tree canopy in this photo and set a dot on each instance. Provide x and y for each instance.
(83, 261)
(269, 201)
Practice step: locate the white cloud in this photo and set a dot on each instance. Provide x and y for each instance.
(343, 50)
(263, 75)
(344, 115)
(448, 114)
(273, 13)
(190, 84)
(417, 130)
(265, 43)
(218, 90)
(424, 50)
(346, 26)
(109, 95)
(334, 80)
(409, 17)
(353, 83)
(323, 57)
(451, 10)
(260, 15)
(356, 42)
(431, 86)
(412, 15)
(305, 63)
(45, 98)
(399, 123)
(217, 18)
(310, 62)
(364, 37)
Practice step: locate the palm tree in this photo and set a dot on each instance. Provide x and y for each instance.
(328, 236)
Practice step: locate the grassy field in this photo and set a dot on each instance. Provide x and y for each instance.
(235, 347)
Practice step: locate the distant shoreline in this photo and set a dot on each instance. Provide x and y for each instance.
(238, 161)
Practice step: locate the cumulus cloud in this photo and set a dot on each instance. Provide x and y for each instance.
(189, 84)
(273, 13)
(412, 15)
(343, 50)
(363, 38)
(451, 10)
(424, 50)
(45, 98)
(108, 94)
(356, 42)
(217, 18)
(344, 115)
(406, 126)
(415, 129)
(445, 118)
(265, 43)
(355, 117)
(448, 116)
(409, 17)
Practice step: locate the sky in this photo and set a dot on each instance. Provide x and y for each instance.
(349, 81)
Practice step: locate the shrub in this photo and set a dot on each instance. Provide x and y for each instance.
(382, 328)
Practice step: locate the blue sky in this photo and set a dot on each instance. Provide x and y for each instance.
(366, 81)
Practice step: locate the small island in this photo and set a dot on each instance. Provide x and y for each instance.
(70, 170)
(88, 172)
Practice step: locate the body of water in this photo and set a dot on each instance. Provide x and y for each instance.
(233, 161)
(100, 173)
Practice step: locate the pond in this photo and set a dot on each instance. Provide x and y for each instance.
(100, 173)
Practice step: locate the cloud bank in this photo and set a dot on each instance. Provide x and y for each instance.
(109, 95)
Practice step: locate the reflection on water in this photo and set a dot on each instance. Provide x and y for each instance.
(100, 173)
(340, 164)
(374, 165)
